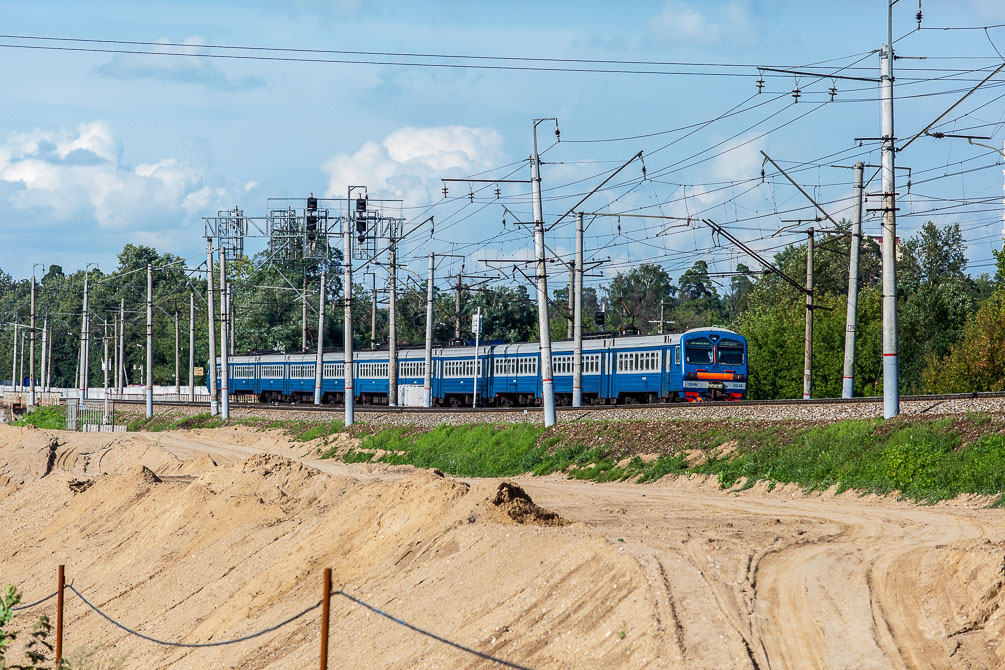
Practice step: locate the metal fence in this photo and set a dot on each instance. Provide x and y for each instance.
(90, 417)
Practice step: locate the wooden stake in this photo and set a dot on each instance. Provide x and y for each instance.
(59, 616)
(325, 608)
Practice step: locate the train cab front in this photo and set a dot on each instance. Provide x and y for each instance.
(715, 365)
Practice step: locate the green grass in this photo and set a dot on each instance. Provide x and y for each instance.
(924, 460)
(299, 431)
(49, 417)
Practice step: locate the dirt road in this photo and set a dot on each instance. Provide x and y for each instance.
(224, 540)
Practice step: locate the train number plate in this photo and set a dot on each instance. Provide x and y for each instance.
(716, 386)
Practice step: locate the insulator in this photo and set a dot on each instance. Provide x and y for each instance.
(833, 92)
(471, 196)
(643, 171)
(760, 84)
(796, 93)
(558, 134)
(498, 192)
(762, 175)
(444, 190)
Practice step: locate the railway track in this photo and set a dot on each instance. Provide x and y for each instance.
(384, 409)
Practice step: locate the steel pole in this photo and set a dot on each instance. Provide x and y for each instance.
(851, 321)
(319, 359)
(457, 308)
(115, 349)
(224, 360)
(214, 407)
(150, 342)
(427, 381)
(373, 313)
(48, 365)
(808, 344)
(891, 373)
(544, 323)
(392, 326)
(31, 350)
(348, 396)
(577, 319)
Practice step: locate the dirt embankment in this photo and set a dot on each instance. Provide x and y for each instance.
(204, 535)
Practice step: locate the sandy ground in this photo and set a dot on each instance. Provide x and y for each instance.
(206, 535)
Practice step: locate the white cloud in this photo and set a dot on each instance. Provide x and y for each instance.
(75, 175)
(702, 22)
(409, 162)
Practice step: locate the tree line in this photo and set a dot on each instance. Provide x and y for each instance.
(951, 325)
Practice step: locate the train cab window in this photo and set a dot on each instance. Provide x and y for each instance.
(698, 351)
(730, 352)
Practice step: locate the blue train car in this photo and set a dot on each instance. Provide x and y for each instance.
(713, 365)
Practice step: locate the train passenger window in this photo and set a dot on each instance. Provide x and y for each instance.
(698, 351)
(730, 352)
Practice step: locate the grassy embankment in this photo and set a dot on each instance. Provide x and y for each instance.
(925, 460)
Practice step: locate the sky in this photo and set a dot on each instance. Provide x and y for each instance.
(101, 149)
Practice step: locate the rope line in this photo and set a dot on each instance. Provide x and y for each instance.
(436, 637)
(191, 645)
(37, 602)
(348, 596)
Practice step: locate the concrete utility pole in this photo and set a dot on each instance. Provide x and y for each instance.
(191, 347)
(427, 380)
(115, 349)
(478, 334)
(13, 360)
(577, 319)
(373, 313)
(122, 346)
(31, 350)
(44, 372)
(851, 322)
(571, 302)
(544, 323)
(150, 341)
(663, 305)
(303, 316)
(48, 362)
(214, 407)
(319, 360)
(392, 325)
(349, 399)
(808, 346)
(20, 363)
(177, 359)
(457, 308)
(232, 315)
(104, 368)
(83, 345)
(891, 372)
(224, 362)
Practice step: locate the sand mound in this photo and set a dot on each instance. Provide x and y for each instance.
(513, 504)
(191, 538)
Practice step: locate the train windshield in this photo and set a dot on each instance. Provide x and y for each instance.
(730, 352)
(698, 351)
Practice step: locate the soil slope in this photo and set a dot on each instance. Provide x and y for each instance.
(206, 535)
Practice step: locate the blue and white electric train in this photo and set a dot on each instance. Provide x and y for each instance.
(695, 366)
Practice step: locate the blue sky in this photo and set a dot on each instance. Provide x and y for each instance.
(100, 149)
